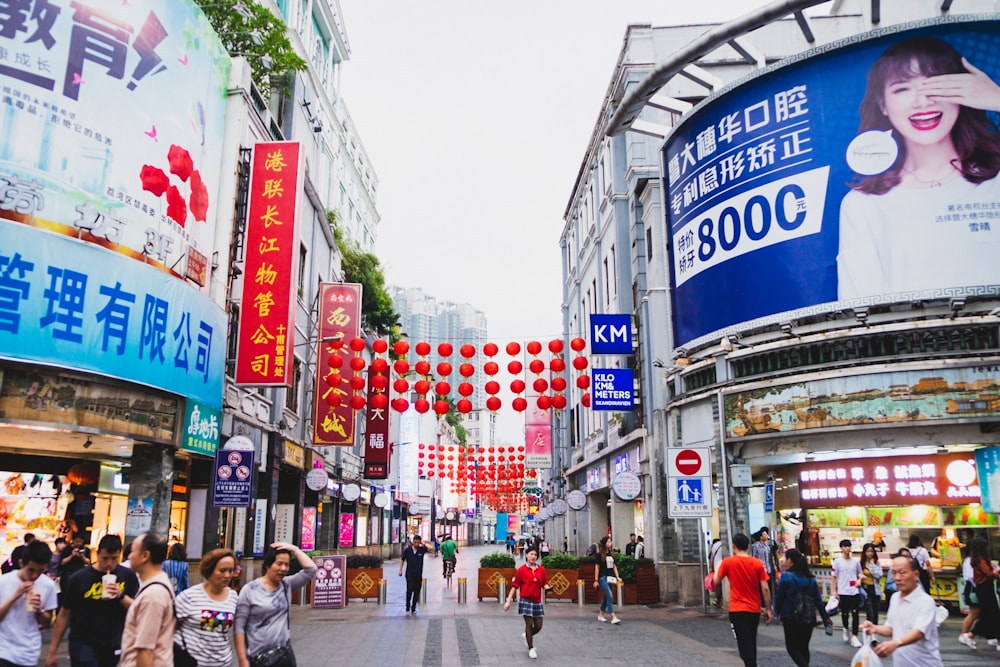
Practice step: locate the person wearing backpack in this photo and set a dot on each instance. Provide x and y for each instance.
(797, 604)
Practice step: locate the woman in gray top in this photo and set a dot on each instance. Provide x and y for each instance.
(261, 631)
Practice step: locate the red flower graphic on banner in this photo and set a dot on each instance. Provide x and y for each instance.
(156, 181)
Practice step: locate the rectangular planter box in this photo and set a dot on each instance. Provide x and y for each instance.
(648, 583)
(489, 578)
(591, 595)
(563, 584)
(362, 582)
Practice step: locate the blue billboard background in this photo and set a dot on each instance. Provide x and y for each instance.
(754, 180)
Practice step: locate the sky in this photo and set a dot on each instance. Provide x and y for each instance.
(476, 116)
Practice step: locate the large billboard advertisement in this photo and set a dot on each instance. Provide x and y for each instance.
(859, 172)
(339, 322)
(113, 115)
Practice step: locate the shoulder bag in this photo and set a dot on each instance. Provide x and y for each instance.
(181, 656)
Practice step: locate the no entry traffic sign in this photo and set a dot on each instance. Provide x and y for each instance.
(689, 462)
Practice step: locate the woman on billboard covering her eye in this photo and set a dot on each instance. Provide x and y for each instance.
(924, 211)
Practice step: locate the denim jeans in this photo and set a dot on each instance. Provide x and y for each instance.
(82, 654)
(607, 604)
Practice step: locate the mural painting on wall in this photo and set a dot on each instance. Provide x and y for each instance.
(876, 398)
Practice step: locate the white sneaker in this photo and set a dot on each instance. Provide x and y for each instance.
(847, 636)
(532, 653)
(967, 640)
(602, 619)
(991, 642)
(855, 642)
(615, 621)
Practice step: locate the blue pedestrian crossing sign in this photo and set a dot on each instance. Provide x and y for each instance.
(769, 497)
(690, 497)
(690, 492)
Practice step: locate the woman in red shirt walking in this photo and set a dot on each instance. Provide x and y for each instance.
(530, 579)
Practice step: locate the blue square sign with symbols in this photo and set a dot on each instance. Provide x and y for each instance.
(690, 491)
(611, 334)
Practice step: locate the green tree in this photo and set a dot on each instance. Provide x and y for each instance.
(252, 31)
(378, 312)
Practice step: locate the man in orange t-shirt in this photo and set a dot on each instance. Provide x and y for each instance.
(747, 587)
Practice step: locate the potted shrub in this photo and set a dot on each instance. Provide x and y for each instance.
(626, 568)
(563, 570)
(363, 574)
(492, 568)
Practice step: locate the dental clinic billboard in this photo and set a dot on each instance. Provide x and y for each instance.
(859, 172)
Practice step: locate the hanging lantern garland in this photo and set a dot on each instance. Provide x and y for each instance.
(580, 365)
(557, 368)
(442, 388)
(515, 367)
(422, 386)
(357, 381)
(378, 377)
(334, 377)
(401, 385)
(491, 368)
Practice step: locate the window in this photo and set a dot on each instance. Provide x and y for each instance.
(303, 270)
(292, 393)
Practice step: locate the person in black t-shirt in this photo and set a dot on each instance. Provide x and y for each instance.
(413, 557)
(74, 558)
(95, 619)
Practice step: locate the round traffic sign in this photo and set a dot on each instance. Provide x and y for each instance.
(688, 462)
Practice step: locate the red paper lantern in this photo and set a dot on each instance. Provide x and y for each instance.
(401, 366)
(335, 361)
(558, 384)
(464, 406)
(583, 381)
(514, 368)
(84, 474)
(400, 347)
(536, 366)
(491, 368)
(444, 369)
(401, 405)
(557, 365)
(379, 382)
(579, 363)
(423, 348)
(544, 402)
(441, 407)
(357, 364)
(466, 389)
(490, 349)
(357, 402)
(466, 370)
(517, 386)
(445, 349)
(534, 347)
(380, 401)
(357, 383)
(442, 388)
(357, 344)
(519, 405)
(585, 400)
(401, 386)
(492, 387)
(380, 346)
(379, 365)
(467, 351)
(540, 385)
(421, 405)
(337, 343)
(559, 402)
(513, 349)
(333, 400)
(334, 379)
(555, 346)
(421, 386)
(493, 403)
(578, 344)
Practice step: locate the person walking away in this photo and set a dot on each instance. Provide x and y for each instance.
(529, 581)
(565, 543)
(27, 600)
(910, 621)
(630, 547)
(971, 601)
(798, 600)
(984, 578)
(75, 557)
(847, 573)
(14, 562)
(923, 558)
(747, 587)
(606, 569)
(262, 630)
(544, 549)
(176, 567)
(148, 636)
(53, 570)
(871, 582)
(715, 556)
(640, 548)
(93, 609)
(206, 613)
(413, 558)
(761, 550)
(448, 551)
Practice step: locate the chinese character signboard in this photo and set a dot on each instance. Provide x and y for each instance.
(537, 431)
(376, 432)
(988, 466)
(201, 429)
(330, 582)
(308, 541)
(944, 479)
(233, 479)
(271, 266)
(789, 183)
(339, 322)
(113, 117)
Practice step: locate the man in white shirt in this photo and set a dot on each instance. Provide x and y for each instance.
(26, 603)
(847, 572)
(910, 622)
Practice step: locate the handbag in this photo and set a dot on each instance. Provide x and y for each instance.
(612, 580)
(276, 655)
(710, 582)
(182, 658)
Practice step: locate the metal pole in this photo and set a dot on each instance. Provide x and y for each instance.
(702, 557)
(501, 590)
(381, 591)
(462, 590)
(423, 591)
(581, 593)
(621, 593)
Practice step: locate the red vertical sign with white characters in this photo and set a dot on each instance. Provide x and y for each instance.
(266, 334)
(376, 430)
(339, 322)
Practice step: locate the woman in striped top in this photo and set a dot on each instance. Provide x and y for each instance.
(206, 612)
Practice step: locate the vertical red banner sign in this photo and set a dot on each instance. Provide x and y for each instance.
(266, 335)
(376, 434)
(339, 322)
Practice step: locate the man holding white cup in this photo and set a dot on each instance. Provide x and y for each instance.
(94, 603)
(26, 603)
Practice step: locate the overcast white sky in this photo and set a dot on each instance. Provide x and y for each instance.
(476, 115)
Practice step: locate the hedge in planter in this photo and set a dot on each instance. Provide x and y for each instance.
(363, 574)
(563, 571)
(492, 568)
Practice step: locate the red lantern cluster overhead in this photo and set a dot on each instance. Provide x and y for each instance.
(492, 474)
(580, 364)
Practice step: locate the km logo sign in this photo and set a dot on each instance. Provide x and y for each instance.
(611, 334)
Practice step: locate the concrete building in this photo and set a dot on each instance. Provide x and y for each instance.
(617, 256)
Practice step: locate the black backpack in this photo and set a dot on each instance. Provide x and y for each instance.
(804, 608)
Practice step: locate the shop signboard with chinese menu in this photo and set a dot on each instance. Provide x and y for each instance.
(339, 322)
(330, 582)
(266, 333)
(937, 480)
